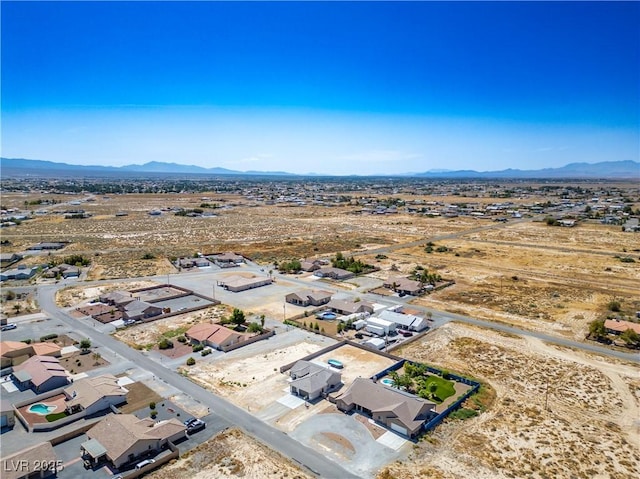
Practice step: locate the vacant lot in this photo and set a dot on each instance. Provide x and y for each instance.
(358, 363)
(557, 413)
(146, 335)
(230, 454)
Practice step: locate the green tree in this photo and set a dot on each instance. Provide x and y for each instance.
(630, 337)
(237, 316)
(597, 330)
(191, 361)
(85, 344)
(254, 328)
(614, 306)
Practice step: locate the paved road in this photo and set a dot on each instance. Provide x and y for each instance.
(274, 438)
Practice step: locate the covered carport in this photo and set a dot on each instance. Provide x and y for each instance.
(93, 451)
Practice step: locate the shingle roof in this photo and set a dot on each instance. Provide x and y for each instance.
(410, 410)
(118, 433)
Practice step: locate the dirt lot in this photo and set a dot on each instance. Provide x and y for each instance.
(230, 454)
(252, 382)
(81, 363)
(80, 295)
(146, 335)
(357, 362)
(590, 430)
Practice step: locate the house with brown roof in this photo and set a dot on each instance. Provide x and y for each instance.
(228, 259)
(123, 438)
(33, 462)
(618, 326)
(213, 335)
(345, 307)
(41, 373)
(333, 273)
(310, 380)
(13, 353)
(404, 286)
(93, 395)
(117, 298)
(308, 297)
(398, 410)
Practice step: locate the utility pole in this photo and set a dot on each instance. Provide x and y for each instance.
(214, 290)
(284, 311)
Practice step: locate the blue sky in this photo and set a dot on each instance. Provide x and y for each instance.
(327, 87)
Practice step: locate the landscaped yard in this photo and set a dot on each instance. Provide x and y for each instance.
(81, 363)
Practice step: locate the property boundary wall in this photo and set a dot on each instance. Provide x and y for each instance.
(254, 339)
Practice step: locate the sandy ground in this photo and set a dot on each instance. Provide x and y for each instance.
(230, 454)
(253, 382)
(590, 427)
(80, 295)
(147, 334)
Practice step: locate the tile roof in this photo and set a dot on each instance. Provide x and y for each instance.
(41, 369)
(119, 432)
(87, 391)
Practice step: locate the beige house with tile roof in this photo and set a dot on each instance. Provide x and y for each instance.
(123, 438)
(213, 335)
(39, 455)
(16, 352)
(93, 395)
(41, 373)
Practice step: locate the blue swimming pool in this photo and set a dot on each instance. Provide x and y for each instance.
(329, 315)
(42, 409)
(387, 382)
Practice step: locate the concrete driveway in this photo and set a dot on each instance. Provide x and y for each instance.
(360, 454)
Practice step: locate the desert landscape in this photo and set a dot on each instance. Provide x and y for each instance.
(544, 410)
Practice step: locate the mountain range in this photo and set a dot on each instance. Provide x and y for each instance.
(607, 169)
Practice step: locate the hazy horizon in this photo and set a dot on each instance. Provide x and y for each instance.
(330, 88)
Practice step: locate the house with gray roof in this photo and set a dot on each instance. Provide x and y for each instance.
(93, 395)
(398, 410)
(311, 380)
(136, 310)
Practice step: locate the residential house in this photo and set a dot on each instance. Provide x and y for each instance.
(617, 326)
(47, 246)
(213, 335)
(117, 298)
(333, 273)
(136, 310)
(9, 258)
(33, 462)
(310, 380)
(237, 284)
(123, 438)
(308, 297)
(19, 273)
(188, 263)
(310, 265)
(95, 394)
(398, 410)
(64, 270)
(405, 321)
(404, 286)
(13, 353)
(228, 260)
(345, 307)
(41, 373)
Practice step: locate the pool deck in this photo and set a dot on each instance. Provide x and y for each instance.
(33, 418)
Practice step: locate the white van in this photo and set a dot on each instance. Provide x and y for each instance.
(146, 462)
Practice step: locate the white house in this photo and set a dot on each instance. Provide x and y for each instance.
(405, 321)
(380, 326)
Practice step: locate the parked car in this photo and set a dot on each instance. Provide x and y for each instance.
(189, 421)
(146, 462)
(196, 426)
(9, 326)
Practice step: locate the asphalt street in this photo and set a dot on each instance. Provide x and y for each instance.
(275, 439)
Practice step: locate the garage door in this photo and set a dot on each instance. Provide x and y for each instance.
(400, 429)
(3, 421)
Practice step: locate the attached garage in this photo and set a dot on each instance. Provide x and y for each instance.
(399, 429)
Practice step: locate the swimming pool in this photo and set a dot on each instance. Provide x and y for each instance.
(42, 409)
(329, 315)
(387, 382)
